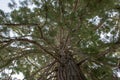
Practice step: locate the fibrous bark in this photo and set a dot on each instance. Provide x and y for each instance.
(69, 70)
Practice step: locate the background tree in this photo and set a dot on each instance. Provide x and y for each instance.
(61, 39)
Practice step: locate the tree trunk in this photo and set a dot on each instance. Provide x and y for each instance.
(69, 70)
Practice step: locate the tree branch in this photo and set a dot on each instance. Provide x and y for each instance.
(109, 50)
(35, 43)
(19, 24)
(82, 61)
(45, 39)
(52, 63)
(40, 46)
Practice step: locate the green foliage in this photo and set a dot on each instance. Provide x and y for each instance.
(32, 37)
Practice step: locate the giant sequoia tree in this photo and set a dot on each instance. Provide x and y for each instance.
(60, 39)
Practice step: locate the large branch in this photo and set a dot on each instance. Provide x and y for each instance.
(44, 67)
(37, 44)
(34, 43)
(111, 49)
(44, 38)
(19, 24)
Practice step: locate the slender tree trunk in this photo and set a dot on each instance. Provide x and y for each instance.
(69, 70)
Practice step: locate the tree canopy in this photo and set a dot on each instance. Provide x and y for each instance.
(36, 33)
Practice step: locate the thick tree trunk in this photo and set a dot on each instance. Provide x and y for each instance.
(69, 70)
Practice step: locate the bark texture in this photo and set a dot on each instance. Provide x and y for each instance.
(69, 70)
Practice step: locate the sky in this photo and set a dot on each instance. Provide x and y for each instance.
(4, 5)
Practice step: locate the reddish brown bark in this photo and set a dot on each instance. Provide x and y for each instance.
(69, 70)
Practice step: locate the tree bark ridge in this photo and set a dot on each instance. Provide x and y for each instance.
(69, 70)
